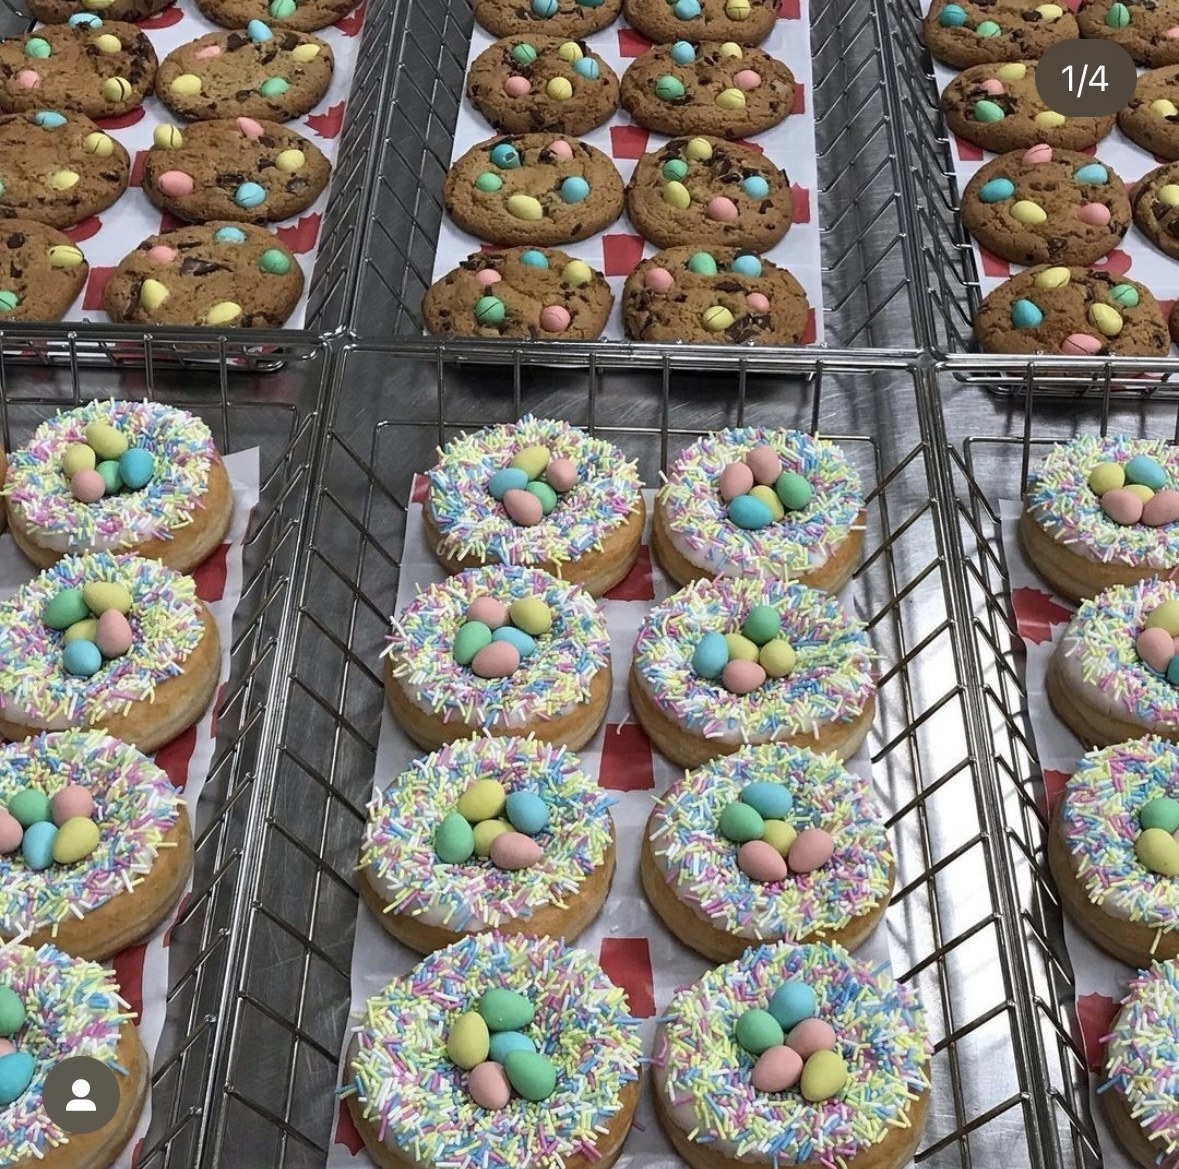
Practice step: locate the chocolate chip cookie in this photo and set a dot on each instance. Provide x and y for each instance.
(533, 189)
(233, 169)
(520, 292)
(261, 73)
(723, 296)
(712, 88)
(1046, 206)
(101, 67)
(301, 15)
(1156, 207)
(1147, 29)
(41, 271)
(542, 83)
(1151, 117)
(709, 192)
(964, 33)
(58, 168)
(568, 19)
(1076, 311)
(745, 22)
(60, 11)
(997, 107)
(223, 275)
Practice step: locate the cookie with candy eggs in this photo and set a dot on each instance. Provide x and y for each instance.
(101, 67)
(301, 15)
(1151, 116)
(998, 108)
(527, 83)
(714, 87)
(1046, 206)
(1075, 311)
(42, 271)
(233, 169)
(533, 189)
(554, 18)
(711, 192)
(224, 275)
(721, 296)
(131, 11)
(964, 33)
(269, 74)
(1155, 204)
(1147, 29)
(745, 22)
(57, 168)
(538, 293)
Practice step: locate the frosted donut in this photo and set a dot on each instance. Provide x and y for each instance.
(1140, 1094)
(421, 1058)
(719, 897)
(146, 696)
(825, 701)
(1067, 528)
(122, 889)
(815, 540)
(70, 1007)
(179, 516)
(558, 829)
(585, 530)
(1097, 681)
(557, 690)
(842, 1078)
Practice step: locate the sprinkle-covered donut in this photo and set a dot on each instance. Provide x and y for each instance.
(119, 476)
(1113, 853)
(537, 492)
(1101, 511)
(774, 842)
(488, 834)
(499, 1051)
(724, 663)
(751, 501)
(500, 650)
(793, 1055)
(110, 641)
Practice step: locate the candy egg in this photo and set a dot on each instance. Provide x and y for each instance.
(1096, 214)
(1173, 671)
(772, 801)
(1161, 812)
(500, 659)
(532, 615)
(758, 1031)
(483, 800)
(37, 845)
(1157, 850)
(82, 659)
(1161, 509)
(554, 318)
(12, 1011)
(1122, 506)
(811, 850)
(468, 1041)
(780, 835)
(136, 468)
(750, 514)
(769, 497)
(530, 814)
(74, 800)
(791, 1003)
(517, 86)
(485, 833)
(658, 279)
(523, 508)
(736, 479)
(996, 191)
(740, 648)
(561, 475)
(84, 630)
(503, 1043)
(811, 1035)
(489, 1087)
(777, 658)
(472, 636)
(112, 481)
(823, 1076)
(739, 822)
(513, 851)
(114, 635)
(64, 609)
(1165, 616)
(777, 1069)
(710, 656)
(531, 460)
(533, 1076)
(762, 624)
(105, 440)
(488, 611)
(78, 838)
(793, 490)
(1143, 492)
(78, 457)
(1147, 471)
(525, 645)
(722, 209)
(30, 806)
(87, 486)
(741, 677)
(509, 479)
(505, 1010)
(16, 1074)
(7, 1047)
(454, 842)
(103, 595)
(10, 833)
(761, 862)
(1106, 477)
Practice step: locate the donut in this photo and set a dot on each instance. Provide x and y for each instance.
(758, 502)
(119, 477)
(1098, 681)
(793, 1055)
(499, 1051)
(88, 792)
(536, 492)
(724, 663)
(1102, 511)
(499, 650)
(772, 843)
(109, 641)
(488, 834)
(54, 1007)
(1140, 1093)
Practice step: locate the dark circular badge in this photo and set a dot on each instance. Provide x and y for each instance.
(81, 1094)
(1086, 79)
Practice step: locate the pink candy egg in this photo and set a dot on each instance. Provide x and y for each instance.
(161, 254)
(736, 479)
(28, 79)
(1095, 213)
(659, 280)
(1156, 648)
(560, 149)
(493, 613)
(812, 849)
(7, 1047)
(175, 183)
(722, 209)
(251, 129)
(207, 52)
(1162, 508)
(500, 659)
(1038, 154)
(114, 634)
(87, 486)
(1172, 34)
(1122, 506)
(71, 802)
(517, 86)
(762, 862)
(487, 276)
(514, 850)
(523, 507)
(747, 79)
(11, 832)
(777, 1069)
(561, 475)
(763, 461)
(489, 1086)
(742, 677)
(811, 1035)
(757, 303)
(1080, 344)
(554, 318)
(993, 86)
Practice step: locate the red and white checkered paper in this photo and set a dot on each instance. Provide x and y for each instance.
(109, 236)
(142, 970)
(619, 249)
(635, 948)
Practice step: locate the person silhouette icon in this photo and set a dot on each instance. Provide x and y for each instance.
(80, 1103)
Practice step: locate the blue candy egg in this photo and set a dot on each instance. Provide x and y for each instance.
(590, 3)
(136, 467)
(81, 658)
(996, 190)
(257, 31)
(1143, 469)
(16, 1074)
(534, 259)
(250, 195)
(755, 187)
(791, 1003)
(505, 1042)
(524, 644)
(686, 9)
(84, 20)
(952, 16)
(750, 513)
(36, 845)
(545, 8)
(1172, 671)
(574, 190)
(711, 656)
(527, 813)
(1091, 172)
(50, 119)
(587, 67)
(505, 155)
(746, 265)
(682, 53)
(509, 479)
(771, 801)
(229, 235)
(1025, 315)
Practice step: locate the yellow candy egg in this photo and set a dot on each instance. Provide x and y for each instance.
(64, 180)
(559, 88)
(532, 615)
(731, 99)
(1168, 194)
(65, 256)
(777, 658)
(1164, 108)
(769, 497)
(305, 53)
(1166, 616)
(716, 318)
(1141, 490)
(570, 51)
(78, 456)
(186, 85)
(1052, 278)
(1107, 319)
(779, 835)
(77, 838)
(738, 9)
(1106, 477)
(1026, 212)
(224, 312)
(577, 273)
(167, 137)
(532, 460)
(823, 1076)
(106, 43)
(486, 831)
(99, 144)
(101, 595)
(1013, 72)
(152, 294)
(290, 161)
(730, 49)
(483, 800)
(698, 150)
(86, 630)
(1158, 851)
(116, 89)
(1049, 119)
(741, 649)
(469, 1040)
(105, 440)
(525, 207)
(676, 195)
(1050, 12)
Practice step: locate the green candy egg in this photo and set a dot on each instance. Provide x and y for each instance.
(111, 479)
(78, 457)
(485, 832)
(454, 842)
(85, 630)
(531, 1074)
(483, 800)
(471, 637)
(668, 88)
(1166, 616)
(740, 648)
(762, 624)
(103, 595)
(543, 492)
(988, 29)
(823, 1076)
(1106, 477)
(469, 1041)
(107, 442)
(758, 1031)
(505, 1010)
(793, 490)
(531, 460)
(1118, 16)
(1161, 812)
(30, 806)
(38, 47)
(1158, 851)
(76, 839)
(702, 264)
(65, 609)
(777, 658)
(988, 112)
(490, 310)
(487, 182)
(274, 262)
(675, 170)
(12, 1011)
(523, 54)
(740, 823)
(532, 615)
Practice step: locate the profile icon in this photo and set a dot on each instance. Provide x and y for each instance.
(80, 1094)
(80, 1101)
